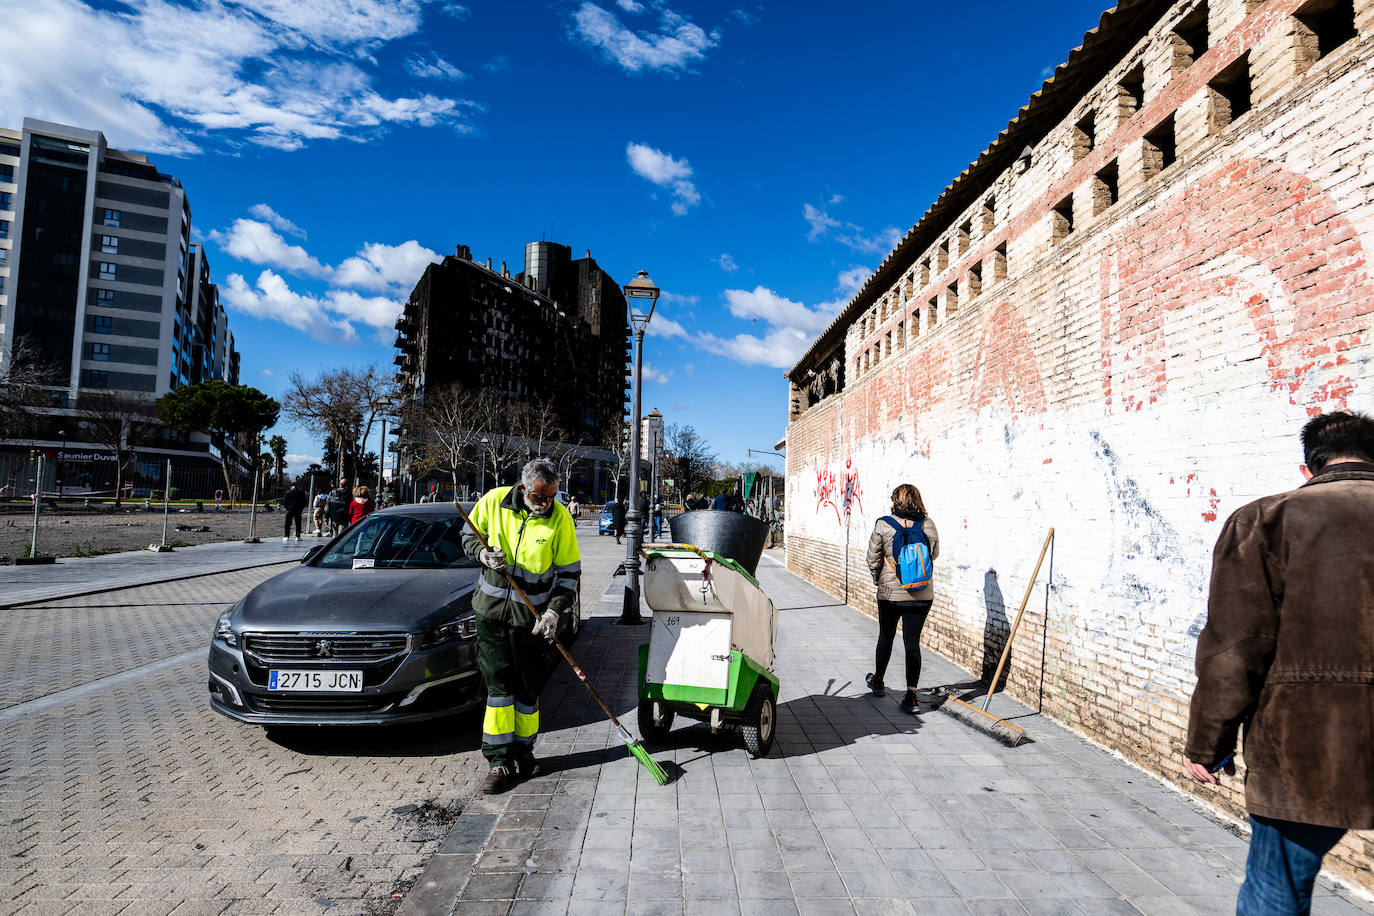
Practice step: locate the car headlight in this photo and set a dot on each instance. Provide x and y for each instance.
(459, 628)
(223, 632)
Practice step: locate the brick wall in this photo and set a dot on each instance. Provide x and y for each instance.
(1141, 370)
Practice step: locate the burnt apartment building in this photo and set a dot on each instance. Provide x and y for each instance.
(556, 332)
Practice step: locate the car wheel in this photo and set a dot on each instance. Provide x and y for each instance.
(760, 720)
(655, 729)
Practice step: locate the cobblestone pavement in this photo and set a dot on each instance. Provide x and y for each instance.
(122, 792)
(87, 575)
(860, 807)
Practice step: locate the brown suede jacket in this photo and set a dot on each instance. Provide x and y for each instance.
(1288, 651)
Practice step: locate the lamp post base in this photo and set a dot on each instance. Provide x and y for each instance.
(161, 548)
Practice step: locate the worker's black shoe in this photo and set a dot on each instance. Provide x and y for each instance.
(875, 684)
(498, 780)
(910, 702)
(527, 765)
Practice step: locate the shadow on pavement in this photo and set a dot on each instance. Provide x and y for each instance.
(462, 732)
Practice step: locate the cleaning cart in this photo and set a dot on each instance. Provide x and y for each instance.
(711, 643)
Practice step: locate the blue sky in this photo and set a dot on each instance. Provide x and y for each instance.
(759, 160)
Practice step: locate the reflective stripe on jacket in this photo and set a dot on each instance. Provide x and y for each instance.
(541, 555)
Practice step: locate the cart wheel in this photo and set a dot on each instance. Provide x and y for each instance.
(760, 718)
(654, 730)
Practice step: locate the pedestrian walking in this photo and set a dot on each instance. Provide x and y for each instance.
(903, 595)
(617, 508)
(574, 509)
(658, 518)
(1287, 654)
(336, 506)
(721, 502)
(292, 504)
(361, 506)
(317, 513)
(530, 536)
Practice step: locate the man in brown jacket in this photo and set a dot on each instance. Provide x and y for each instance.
(1288, 652)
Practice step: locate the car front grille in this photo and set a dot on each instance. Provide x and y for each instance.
(309, 705)
(352, 648)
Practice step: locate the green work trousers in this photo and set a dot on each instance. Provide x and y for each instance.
(513, 665)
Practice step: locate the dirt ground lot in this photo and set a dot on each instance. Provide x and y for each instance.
(70, 534)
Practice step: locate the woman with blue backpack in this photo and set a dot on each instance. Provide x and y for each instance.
(901, 556)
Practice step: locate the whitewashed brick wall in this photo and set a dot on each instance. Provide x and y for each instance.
(1129, 387)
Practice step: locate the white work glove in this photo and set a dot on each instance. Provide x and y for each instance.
(493, 558)
(546, 626)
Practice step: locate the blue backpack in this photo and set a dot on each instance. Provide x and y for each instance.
(913, 564)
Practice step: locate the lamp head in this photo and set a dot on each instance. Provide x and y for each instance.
(641, 287)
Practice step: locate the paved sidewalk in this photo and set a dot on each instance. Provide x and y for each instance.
(73, 576)
(860, 808)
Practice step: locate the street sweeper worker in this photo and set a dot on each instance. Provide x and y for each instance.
(530, 536)
(1288, 654)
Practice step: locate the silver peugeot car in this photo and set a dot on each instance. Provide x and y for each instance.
(374, 627)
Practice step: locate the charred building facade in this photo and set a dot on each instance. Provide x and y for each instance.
(556, 332)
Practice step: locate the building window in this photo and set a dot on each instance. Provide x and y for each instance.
(1104, 188)
(97, 378)
(1084, 136)
(2, 286)
(6, 200)
(1228, 95)
(942, 257)
(109, 244)
(105, 297)
(1132, 88)
(100, 352)
(999, 263)
(989, 215)
(1159, 150)
(1190, 38)
(110, 217)
(934, 313)
(4, 228)
(102, 324)
(1330, 24)
(107, 270)
(8, 149)
(7, 173)
(1062, 218)
(4, 255)
(975, 280)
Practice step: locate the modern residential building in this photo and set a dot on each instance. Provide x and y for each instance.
(557, 332)
(100, 280)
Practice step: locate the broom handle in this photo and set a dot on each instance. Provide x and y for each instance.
(1006, 651)
(558, 645)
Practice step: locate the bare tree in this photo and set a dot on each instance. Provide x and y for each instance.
(689, 458)
(22, 379)
(616, 441)
(449, 429)
(342, 404)
(118, 421)
(536, 425)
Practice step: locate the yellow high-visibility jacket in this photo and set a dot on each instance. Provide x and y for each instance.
(541, 555)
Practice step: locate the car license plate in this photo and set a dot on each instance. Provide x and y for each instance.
(335, 681)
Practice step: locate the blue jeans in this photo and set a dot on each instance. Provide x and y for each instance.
(1282, 866)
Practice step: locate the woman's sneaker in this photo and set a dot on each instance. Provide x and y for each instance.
(910, 702)
(875, 684)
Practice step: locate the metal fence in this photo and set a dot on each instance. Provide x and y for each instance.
(94, 479)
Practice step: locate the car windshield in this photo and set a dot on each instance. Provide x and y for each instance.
(400, 542)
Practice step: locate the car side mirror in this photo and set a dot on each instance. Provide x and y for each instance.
(312, 553)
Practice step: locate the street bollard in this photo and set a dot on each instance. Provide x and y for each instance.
(164, 547)
(253, 513)
(37, 498)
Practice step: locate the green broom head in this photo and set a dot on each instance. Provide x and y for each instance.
(643, 757)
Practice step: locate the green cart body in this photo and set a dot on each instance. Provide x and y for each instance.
(707, 611)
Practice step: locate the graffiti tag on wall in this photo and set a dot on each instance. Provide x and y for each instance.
(839, 492)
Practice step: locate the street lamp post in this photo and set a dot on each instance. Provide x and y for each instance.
(640, 288)
(61, 461)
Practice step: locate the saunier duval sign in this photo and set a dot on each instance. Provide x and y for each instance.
(85, 456)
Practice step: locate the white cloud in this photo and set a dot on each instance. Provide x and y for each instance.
(258, 243)
(498, 64)
(727, 263)
(273, 300)
(433, 67)
(650, 374)
(662, 326)
(276, 220)
(456, 10)
(852, 280)
(378, 266)
(852, 236)
(666, 172)
(294, 460)
(677, 42)
(268, 372)
(630, 6)
(764, 304)
(160, 76)
(836, 199)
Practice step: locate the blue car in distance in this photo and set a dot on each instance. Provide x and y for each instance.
(605, 523)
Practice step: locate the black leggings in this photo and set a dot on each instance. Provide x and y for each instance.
(912, 614)
(293, 517)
